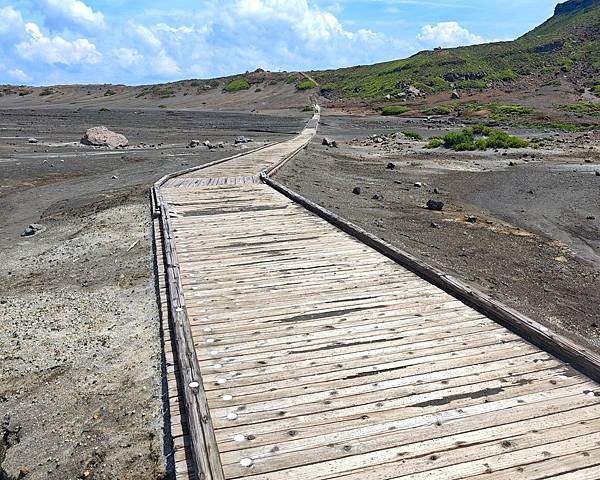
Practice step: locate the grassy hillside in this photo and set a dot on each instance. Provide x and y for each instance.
(568, 44)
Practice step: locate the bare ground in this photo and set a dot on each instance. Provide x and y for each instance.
(528, 234)
(80, 354)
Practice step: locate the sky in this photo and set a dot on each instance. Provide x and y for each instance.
(48, 42)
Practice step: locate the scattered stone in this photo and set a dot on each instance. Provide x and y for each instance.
(391, 166)
(378, 140)
(598, 173)
(435, 225)
(590, 217)
(356, 190)
(588, 160)
(221, 145)
(329, 142)
(103, 137)
(208, 144)
(242, 139)
(377, 197)
(33, 229)
(435, 205)
(455, 94)
(114, 177)
(512, 164)
(418, 184)
(194, 143)
(436, 191)
(33, 140)
(470, 218)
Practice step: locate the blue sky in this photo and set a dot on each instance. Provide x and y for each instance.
(45, 42)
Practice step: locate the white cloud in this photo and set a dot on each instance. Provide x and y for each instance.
(127, 57)
(19, 75)
(77, 12)
(56, 49)
(448, 34)
(145, 35)
(165, 65)
(10, 21)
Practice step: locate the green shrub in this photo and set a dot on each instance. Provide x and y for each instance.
(46, 91)
(237, 85)
(508, 75)
(166, 93)
(473, 84)
(214, 83)
(308, 108)
(109, 93)
(510, 109)
(596, 89)
(22, 93)
(306, 85)
(291, 79)
(395, 110)
(195, 83)
(328, 87)
(412, 135)
(440, 110)
(434, 142)
(478, 137)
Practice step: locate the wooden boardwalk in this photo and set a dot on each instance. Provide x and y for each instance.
(321, 358)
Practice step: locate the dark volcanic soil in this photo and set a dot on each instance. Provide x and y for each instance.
(528, 234)
(80, 369)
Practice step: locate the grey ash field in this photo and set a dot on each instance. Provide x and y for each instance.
(80, 357)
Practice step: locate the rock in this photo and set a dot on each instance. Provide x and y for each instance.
(435, 225)
(455, 95)
(377, 197)
(435, 205)
(356, 190)
(114, 177)
(329, 142)
(418, 184)
(512, 164)
(194, 143)
(221, 145)
(470, 218)
(598, 173)
(33, 140)
(242, 139)
(590, 217)
(33, 229)
(436, 191)
(391, 166)
(414, 91)
(378, 140)
(103, 137)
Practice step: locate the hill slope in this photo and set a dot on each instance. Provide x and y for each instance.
(568, 44)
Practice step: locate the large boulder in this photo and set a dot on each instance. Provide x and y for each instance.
(329, 142)
(103, 137)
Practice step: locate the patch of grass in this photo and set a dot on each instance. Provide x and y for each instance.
(237, 85)
(195, 83)
(308, 108)
(306, 85)
(109, 93)
(509, 109)
(582, 108)
(22, 93)
(46, 91)
(329, 87)
(291, 79)
(214, 83)
(440, 110)
(478, 137)
(596, 89)
(472, 84)
(395, 110)
(412, 135)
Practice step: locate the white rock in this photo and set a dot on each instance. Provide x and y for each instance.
(103, 137)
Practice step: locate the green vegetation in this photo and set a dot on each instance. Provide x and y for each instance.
(472, 84)
(395, 110)
(555, 48)
(478, 137)
(306, 85)
(237, 85)
(413, 135)
(441, 110)
(195, 83)
(582, 108)
(308, 108)
(214, 83)
(109, 93)
(291, 79)
(596, 89)
(46, 91)
(329, 87)
(22, 93)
